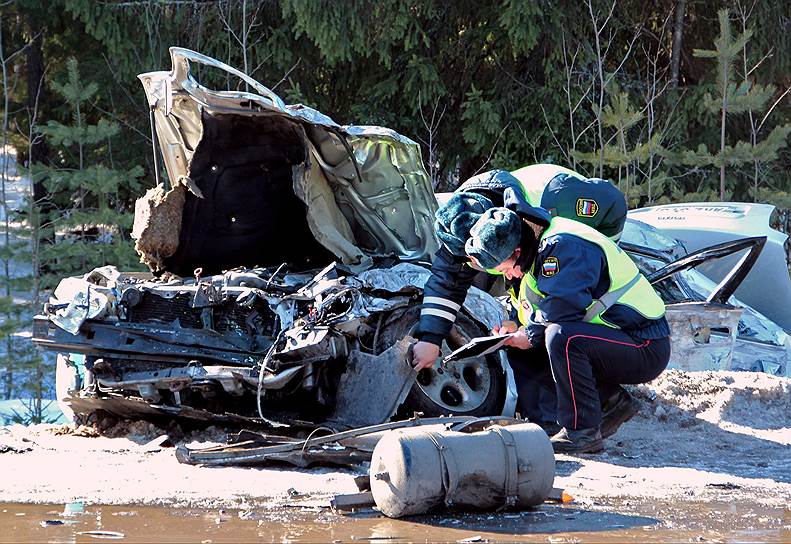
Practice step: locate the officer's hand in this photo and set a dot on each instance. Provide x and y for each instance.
(520, 340)
(424, 355)
(506, 327)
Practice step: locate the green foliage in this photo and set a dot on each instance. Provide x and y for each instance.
(731, 98)
(483, 120)
(518, 18)
(88, 224)
(726, 48)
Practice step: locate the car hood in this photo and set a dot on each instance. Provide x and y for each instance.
(253, 181)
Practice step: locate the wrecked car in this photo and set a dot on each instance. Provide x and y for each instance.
(284, 252)
(721, 270)
(287, 257)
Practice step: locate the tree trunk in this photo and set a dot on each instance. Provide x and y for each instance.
(678, 38)
(725, 77)
(35, 97)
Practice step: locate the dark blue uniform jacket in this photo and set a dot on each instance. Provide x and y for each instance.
(579, 275)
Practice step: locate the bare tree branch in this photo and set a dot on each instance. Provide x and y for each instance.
(771, 109)
(282, 79)
(552, 132)
(494, 146)
(757, 64)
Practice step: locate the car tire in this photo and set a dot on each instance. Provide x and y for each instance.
(473, 387)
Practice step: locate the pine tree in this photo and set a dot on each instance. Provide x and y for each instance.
(90, 222)
(731, 98)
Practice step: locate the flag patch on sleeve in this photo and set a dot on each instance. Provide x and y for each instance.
(587, 207)
(550, 267)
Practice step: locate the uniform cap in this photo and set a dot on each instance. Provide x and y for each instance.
(494, 237)
(457, 216)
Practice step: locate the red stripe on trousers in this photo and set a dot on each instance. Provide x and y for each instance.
(568, 361)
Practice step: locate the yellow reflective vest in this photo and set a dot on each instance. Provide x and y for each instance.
(627, 285)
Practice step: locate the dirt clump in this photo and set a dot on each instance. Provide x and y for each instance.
(85, 431)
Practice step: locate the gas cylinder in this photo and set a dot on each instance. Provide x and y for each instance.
(416, 470)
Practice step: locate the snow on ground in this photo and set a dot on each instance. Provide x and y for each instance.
(18, 187)
(701, 436)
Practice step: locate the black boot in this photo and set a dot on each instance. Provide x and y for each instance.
(578, 441)
(618, 409)
(550, 427)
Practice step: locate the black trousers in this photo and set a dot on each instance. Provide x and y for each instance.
(586, 364)
(536, 397)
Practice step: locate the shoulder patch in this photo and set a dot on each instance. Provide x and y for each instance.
(587, 207)
(550, 267)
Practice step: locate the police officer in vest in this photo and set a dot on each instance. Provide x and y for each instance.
(560, 191)
(584, 303)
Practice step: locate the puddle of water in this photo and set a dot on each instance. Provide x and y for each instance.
(657, 522)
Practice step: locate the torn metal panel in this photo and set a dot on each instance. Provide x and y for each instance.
(365, 188)
(733, 279)
(407, 277)
(703, 335)
(374, 386)
(402, 278)
(310, 344)
(136, 408)
(84, 305)
(762, 357)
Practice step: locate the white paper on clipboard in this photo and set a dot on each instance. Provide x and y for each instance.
(483, 345)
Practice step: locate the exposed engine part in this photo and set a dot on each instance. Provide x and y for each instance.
(149, 393)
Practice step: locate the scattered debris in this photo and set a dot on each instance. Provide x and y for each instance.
(158, 443)
(341, 448)
(14, 448)
(352, 502)
(363, 482)
(113, 535)
(725, 485)
(558, 494)
(75, 430)
(74, 508)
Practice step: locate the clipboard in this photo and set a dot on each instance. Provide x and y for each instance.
(483, 345)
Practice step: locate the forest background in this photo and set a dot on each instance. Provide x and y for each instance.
(672, 100)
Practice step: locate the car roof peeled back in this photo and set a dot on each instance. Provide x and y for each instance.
(253, 182)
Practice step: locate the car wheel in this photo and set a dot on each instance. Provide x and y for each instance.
(474, 386)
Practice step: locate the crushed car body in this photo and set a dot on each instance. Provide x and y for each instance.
(283, 251)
